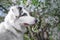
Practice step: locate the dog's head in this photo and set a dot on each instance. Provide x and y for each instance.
(20, 16)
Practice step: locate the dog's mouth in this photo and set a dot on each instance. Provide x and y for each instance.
(26, 24)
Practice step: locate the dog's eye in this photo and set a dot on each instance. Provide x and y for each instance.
(24, 14)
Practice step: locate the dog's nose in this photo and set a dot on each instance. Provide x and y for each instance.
(36, 20)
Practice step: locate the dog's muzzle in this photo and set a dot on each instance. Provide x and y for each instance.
(35, 21)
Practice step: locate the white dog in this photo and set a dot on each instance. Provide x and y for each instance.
(15, 23)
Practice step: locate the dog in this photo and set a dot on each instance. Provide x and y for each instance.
(14, 25)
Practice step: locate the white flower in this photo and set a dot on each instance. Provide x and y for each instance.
(28, 2)
(52, 20)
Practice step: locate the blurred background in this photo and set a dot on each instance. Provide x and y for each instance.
(48, 13)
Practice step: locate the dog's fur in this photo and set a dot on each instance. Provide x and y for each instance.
(14, 24)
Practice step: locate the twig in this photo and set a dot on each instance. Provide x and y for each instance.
(3, 8)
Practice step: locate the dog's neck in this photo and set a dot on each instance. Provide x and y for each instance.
(14, 29)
